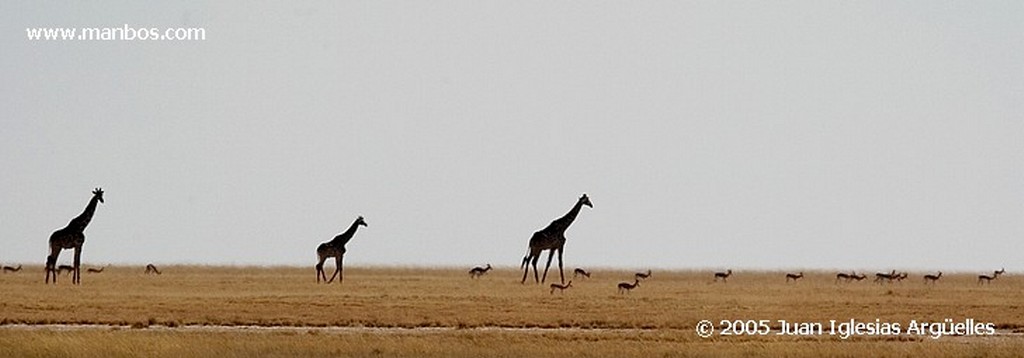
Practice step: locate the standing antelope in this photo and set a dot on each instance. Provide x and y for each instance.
(12, 269)
(150, 268)
(642, 276)
(559, 287)
(626, 286)
(476, 272)
(794, 277)
(723, 275)
(65, 269)
(580, 272)
(932, 278)
(860, 277)
(885, 276)
(988, 279)
(846, 276)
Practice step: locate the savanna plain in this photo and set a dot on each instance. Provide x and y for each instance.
(442, 312)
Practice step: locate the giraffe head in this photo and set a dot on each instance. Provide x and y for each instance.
(359, 221)
(586, 201)
(98, 194)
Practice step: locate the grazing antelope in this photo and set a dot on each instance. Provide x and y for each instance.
(580, 272)
(65, 269)
(626, 286)
(478, 271)
(12, 269)
(794, 277)
(860, 277)
(96, 270)
(902, 276)
(885, 276)
(560, 287)
(150, 268)
(932, 278)
(642, 276)
(988, 279)
(723, 275)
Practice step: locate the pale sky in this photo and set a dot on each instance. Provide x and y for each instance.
(862, 135)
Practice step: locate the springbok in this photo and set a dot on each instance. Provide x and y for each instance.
(150, 268)
(988, 279)
(626, 286)
(478, 271)
(559, 287)
(642, 276)
(580, 272)
(885, 276)
(794, 277)
(932, 278)
(723, 275)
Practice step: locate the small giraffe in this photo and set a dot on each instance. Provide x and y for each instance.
(627, 287)
(336, 249)
(794, 277)
(580, 272)
(551, 238)
(559, 287)
(12, 269)
(150, 268)
(72, 237)
(476, 272)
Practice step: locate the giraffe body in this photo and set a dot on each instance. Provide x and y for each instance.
(72, 236)
(336, 249)
(551, 238)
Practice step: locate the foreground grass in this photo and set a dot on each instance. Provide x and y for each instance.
(657, 318)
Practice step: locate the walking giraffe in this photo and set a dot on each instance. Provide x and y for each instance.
(551, 238)
(336, 249)
(72, 237)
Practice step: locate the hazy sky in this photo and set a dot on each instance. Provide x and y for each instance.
(800, 134)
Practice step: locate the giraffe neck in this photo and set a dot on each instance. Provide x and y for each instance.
(344, 237)
(81, 221)
(562, 223)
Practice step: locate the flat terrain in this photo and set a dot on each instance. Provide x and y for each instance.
(282, 311)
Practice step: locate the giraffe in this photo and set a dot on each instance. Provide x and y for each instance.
(72, 237)
(336, 249)
(551, 238)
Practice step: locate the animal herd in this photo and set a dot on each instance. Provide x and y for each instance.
(551, 239)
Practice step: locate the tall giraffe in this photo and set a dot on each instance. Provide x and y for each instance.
(551, 238)
(336, 249)
(72, 237)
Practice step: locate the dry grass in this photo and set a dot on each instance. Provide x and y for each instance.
(656, 319)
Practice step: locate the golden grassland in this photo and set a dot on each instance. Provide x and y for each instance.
(183, 311)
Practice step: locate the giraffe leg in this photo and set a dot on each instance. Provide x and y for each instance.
(526, 266)
(560, 272)
(50, 264)
(551, 254)
(320, 270)
(76, 277)
(337, 268)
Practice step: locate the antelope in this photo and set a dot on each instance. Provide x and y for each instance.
(723, 275)
(642, 276)
(885, 276)
(559, 287)
(626, 286)
(12, 269)
(860, 277)
(794, 277)
(580, 272)
(152, 269)
(478, 271)
(845, 276)
(65, 268)
(932, 278)
(988, 279)
(96, 270)
(902, 276)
